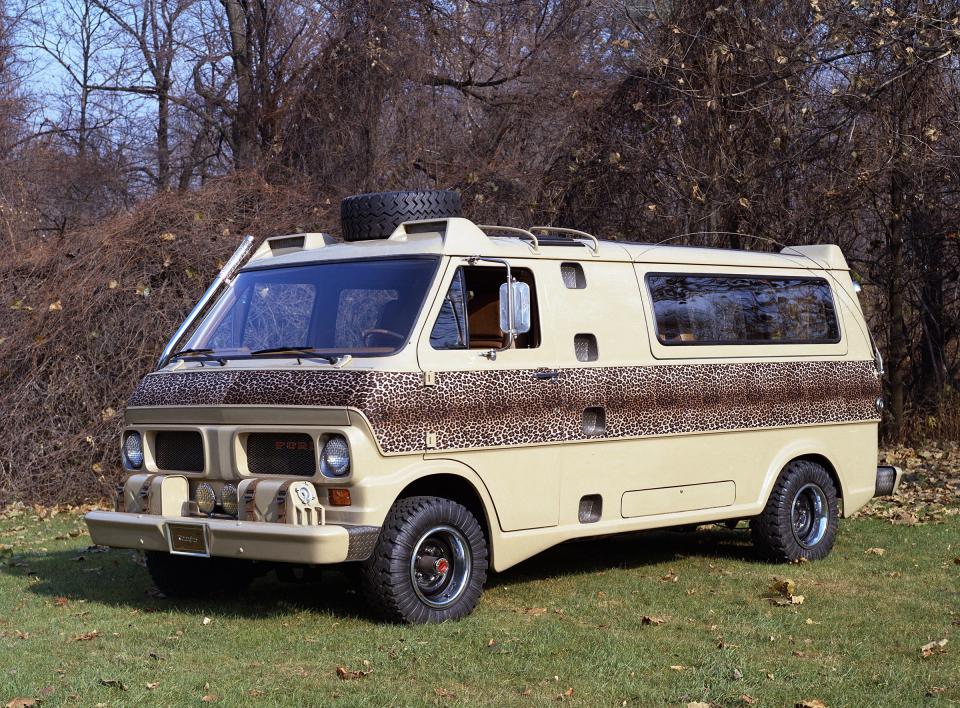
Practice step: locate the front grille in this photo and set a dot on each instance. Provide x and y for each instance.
(179, 450)
(281, 453)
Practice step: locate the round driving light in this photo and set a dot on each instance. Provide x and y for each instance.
(229, 500)
(206, 499)
(335, 459)
(133, 450)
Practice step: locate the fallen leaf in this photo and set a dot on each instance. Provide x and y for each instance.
(55, 306)
(670, 577)
(444, 693)
(937, 647)
(113, 683)
(206, 621)
(345, 674)
(535, 611)
(256, 693)
(811, 703)
(151, 686)
(747, 698)
(736, 674)
(786, 589)
(21, 703)
(87, 636)
(113, 285)
(167, 236)
(210, 698)
(648, 619)
(875, 551)
(678, 667)
(934, 691)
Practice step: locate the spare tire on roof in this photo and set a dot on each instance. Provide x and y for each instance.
(376, 215)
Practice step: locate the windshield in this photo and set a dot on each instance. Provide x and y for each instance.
(362, 308)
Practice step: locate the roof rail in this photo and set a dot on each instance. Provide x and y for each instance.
(521, 233)
(594, 244)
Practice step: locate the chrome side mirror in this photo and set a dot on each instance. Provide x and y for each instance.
(514, 308)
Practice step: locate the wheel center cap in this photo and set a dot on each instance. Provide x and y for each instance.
(442, 565)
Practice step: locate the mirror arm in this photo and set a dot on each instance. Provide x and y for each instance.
(511, 332)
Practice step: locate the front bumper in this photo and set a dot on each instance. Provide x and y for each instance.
(253, 540)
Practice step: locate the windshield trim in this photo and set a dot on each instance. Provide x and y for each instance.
(424, 304)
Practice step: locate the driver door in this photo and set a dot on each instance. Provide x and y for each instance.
(493, 405)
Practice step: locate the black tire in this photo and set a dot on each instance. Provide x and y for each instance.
(391, 581)
(374, 216)
(801, 516)
(189, 576)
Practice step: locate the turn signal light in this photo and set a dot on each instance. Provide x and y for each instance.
(339, 497)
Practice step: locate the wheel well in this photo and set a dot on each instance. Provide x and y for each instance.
(828, 466)
(454, 488)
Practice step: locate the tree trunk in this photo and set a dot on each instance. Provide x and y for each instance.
(244, 129)
(897, 354)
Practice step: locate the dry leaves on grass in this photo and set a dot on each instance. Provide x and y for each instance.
(87, 636)
(875, 551)
(651, 620)
(113, 683)
(21, 703)
(931, 648)
(345, 674)
(784, 593)
(535, 611)
(929, 489)
(810, 703)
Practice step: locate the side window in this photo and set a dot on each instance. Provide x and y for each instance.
(723, 309)
(469, 317)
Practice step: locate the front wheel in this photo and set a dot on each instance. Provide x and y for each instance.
(429, 564)
(801, 516)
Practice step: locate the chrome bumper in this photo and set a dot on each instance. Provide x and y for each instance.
(254, 540)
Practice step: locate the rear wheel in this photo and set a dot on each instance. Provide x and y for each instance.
(429, 564)
(801, 516)
(189, 576)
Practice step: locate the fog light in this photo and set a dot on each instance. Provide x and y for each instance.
(229, 500)
(133, 451)
(339, 497)
(335, 459)
(206, 499)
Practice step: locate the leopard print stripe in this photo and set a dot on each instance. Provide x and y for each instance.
(475, 409)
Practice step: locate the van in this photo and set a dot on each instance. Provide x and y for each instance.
(431, 399)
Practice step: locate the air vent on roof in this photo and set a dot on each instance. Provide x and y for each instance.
(284, 242)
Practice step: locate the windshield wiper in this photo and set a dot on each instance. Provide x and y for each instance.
(306, 352)
(200, 353)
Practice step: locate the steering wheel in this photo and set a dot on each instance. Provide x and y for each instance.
(365, 334)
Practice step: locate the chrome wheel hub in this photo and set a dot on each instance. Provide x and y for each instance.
(809, 515)
(440, 566)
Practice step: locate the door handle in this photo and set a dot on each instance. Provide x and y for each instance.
(547, 375)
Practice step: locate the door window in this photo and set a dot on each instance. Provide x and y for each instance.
(470, 314)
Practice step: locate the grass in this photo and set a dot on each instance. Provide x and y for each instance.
(565, 626)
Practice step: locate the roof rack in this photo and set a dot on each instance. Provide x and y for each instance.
(522, 233)
(594, 244)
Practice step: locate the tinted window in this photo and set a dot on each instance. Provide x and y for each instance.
(725, 309)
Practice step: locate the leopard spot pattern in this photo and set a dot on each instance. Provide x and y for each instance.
(476, 409)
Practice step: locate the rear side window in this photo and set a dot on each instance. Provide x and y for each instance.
(736, 309)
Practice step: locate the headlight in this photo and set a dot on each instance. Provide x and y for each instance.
(206, 499)
(335, 459)
(229, 500)
(133, 451)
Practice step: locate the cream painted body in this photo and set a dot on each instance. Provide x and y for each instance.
(530, 494)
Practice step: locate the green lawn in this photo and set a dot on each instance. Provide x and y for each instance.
(565, 626)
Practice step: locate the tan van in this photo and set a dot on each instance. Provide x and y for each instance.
(433, 398)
